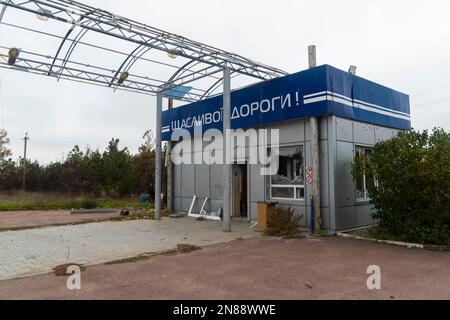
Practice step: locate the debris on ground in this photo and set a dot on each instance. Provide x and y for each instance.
(125, 212)
(61, 270)
(187, 248)
(177, 215)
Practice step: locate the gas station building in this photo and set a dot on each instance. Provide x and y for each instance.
(324, 111)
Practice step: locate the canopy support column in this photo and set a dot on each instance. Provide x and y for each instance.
(169, 166)
(158, 164)
(226, 162)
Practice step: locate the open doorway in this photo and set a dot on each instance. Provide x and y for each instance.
(240, 191)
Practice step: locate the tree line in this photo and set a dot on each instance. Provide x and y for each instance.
(115, 172)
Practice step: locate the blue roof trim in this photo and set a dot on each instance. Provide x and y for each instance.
(321, 91)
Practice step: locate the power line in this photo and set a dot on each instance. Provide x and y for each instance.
(52, 144)
(431, 91)
(38, 141)
(432, 102)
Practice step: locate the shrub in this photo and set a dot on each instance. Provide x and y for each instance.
(283, 223)
(89, 204)
(411, 195)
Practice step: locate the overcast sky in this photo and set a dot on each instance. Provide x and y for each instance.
(401, 44)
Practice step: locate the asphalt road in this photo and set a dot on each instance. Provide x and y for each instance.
(261, 268)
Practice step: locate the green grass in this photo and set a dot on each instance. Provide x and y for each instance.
(322, 233)
(41, 201)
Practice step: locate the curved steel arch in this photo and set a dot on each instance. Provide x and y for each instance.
(142, 49)
(2, 12)
(74, 43)
(211, 89)
(72, 47)
(202, 60)
(214, 87)
(170, 84)
(131, 55)
(182, 70)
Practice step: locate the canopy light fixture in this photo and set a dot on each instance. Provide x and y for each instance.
(13, 54)
(172, 54)
(43, 14)
(123, 76)
(352, 69)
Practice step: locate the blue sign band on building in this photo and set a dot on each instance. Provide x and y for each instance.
(321, 91)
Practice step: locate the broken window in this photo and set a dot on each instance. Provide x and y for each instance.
(289, 182)
(362, 182)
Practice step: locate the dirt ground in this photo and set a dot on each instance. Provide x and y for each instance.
(34, 219)
(262, 268)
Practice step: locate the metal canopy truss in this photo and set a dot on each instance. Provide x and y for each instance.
(194, 63)
(200, 61)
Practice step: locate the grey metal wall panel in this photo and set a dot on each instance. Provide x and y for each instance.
(325, 214)
(202, 181)
(382, 134)
(395, 132)
(184, 149)
(185, 204)
(324, 175)
(307, 130)
(199, 203)
(344, 130)
(177, 204)
(188, 180)
(345, 218)
(345, 187)
(332, 169)
(363, 215)
(364, 133)
(257, 183)
(292, 132)
(253, 211)
(308, 163)
(216, 182)
(299, 211)
(215, 205)
(177, 180)
(323, 123)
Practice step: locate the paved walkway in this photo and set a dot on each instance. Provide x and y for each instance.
(38, 251)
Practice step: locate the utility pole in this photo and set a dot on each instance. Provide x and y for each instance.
(315, 153)
(25, 139)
